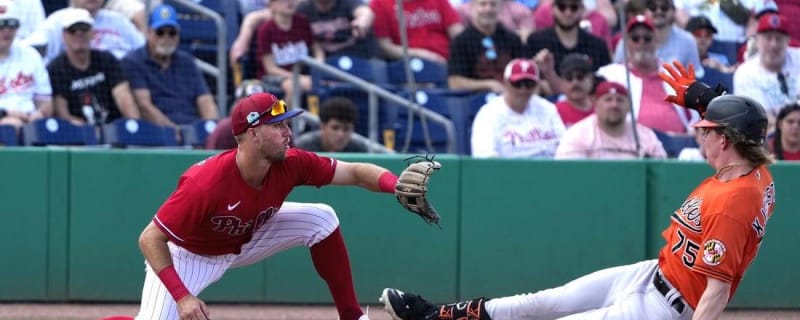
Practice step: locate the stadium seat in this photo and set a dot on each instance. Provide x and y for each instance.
(370, 70)
(448, 104)
(8, 136)
(199, 33)
(425, 72)
(195, 134)
(673, 144)
(712, 77)
(56, 131)
(135, 132)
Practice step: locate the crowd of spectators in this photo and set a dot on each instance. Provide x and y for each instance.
(557, 66)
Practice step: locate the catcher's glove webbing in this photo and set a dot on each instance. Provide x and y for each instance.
(412, 187)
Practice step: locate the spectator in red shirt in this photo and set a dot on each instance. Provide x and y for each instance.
(786, 141)
(430, 25)
(576, 70)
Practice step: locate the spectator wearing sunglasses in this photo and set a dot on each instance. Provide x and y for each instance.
(773, 76)
(646, 88)
(551, 45)
(484, 49)
(30, 14)
(597, 16)
(519, 123)
(608, 133)
(113, 32)
(25, 92)
(730, 29)
(703, 32)
(88, 84)
(577, 72)
(514, 15)
(166, 83)
(672, 43)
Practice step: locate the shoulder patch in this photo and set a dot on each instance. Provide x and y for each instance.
(713, 252)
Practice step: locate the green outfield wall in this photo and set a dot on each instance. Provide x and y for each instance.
(72, 218)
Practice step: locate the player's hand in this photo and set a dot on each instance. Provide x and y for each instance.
(679, 78)
(192, 308)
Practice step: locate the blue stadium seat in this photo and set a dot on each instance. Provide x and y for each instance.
(370, 70)
(8, 136)
(56, 131)
(425, 72)
(450, 104)
(199, 33)
(712, 77)
(135, 132)
(673, 144)
(195, 134)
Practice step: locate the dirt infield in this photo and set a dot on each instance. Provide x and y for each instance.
(265, 312)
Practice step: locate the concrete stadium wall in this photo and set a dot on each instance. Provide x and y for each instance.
(508, 226)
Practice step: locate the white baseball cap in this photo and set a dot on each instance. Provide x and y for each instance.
(8, 10)
(71, 16)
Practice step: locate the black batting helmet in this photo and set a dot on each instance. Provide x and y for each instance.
(742, 114)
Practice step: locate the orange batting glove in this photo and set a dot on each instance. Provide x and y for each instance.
(679, 79)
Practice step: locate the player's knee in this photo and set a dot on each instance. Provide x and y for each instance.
(326, 221)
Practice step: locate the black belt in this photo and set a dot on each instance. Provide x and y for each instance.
(664, 289)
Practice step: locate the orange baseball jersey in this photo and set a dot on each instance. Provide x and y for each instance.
(717, 232)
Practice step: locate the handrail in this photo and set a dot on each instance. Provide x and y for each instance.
(221, 70)
(373, 89)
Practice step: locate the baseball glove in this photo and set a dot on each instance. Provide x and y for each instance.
(412, 188)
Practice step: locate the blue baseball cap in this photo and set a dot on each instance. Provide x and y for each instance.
(163, 15)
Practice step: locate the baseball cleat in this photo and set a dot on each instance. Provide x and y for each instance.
(407, 306)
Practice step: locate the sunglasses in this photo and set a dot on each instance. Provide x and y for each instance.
(488, 44)
(529, 84)
(637, 38)
(663, 7)
(575, 76)
(278, 108)
(171, 32)
(563, 7)
(9, 23)
(79, 27)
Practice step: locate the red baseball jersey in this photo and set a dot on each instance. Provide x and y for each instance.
(717, 232)
(214, 211)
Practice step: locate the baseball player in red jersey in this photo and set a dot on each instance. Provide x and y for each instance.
(229, 211)
(711, 240)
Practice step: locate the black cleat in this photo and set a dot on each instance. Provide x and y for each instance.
(408, 306)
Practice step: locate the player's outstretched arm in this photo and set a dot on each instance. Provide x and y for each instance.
(365, 175)
(153, 243)
(713, 300)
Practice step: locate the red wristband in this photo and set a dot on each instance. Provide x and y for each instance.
(173, 283)
(387, 181)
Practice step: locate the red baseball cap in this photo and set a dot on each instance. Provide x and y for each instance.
(258, 109)
(520, 69)
(607, 87)
(642, 20)
(772, 22)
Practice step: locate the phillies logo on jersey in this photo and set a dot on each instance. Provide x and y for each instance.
(689, 214)
(234, 225)
(16, 83)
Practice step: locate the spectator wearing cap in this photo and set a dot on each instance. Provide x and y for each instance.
(731, 24)
(672, 43)
(166, 83)
(25, 92)
(576, 70)
(337, 117)
(772, 77)
(647, 91)
(551, 45)
(484, 49)
(30, 14)
(703, 31)
(519, 123)
(608, 134)
(89, 86)
(113, 32)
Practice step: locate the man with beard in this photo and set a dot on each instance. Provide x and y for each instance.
(608, 134)
(166, 83)
(646, 88)
(576, 70)
(482, 51)
(672, 42)
(88, 85)
(564, 37)
(773, 76)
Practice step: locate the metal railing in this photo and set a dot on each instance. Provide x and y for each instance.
(375, 92)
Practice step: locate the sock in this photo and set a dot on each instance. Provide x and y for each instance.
(333, 265)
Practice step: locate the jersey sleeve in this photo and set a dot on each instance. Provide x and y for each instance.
(728, 237)
(449, 15)
(381, 25)
(184, 209)
(314, 170)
